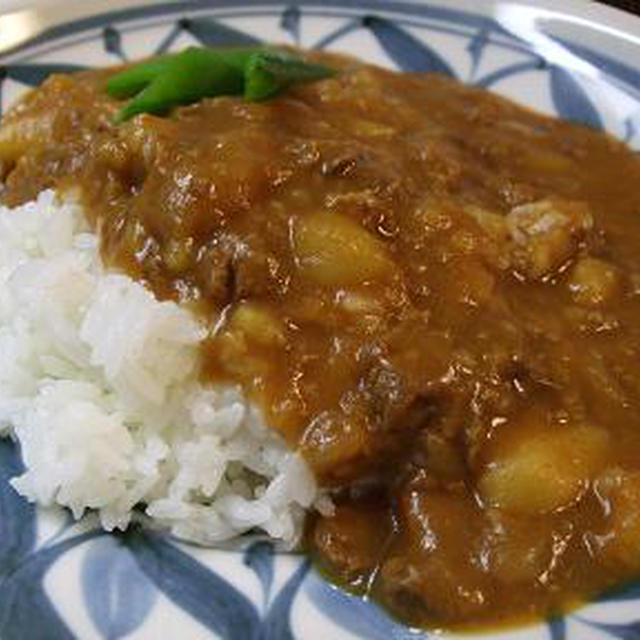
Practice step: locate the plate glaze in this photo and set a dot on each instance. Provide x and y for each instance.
(63, 580)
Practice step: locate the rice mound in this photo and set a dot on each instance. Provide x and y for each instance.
(98, 384)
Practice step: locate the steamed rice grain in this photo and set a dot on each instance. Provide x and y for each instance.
(98, 384)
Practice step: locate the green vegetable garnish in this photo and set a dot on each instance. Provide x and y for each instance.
(127, 83)
(181, 79)
(267, 72)
(184, 78)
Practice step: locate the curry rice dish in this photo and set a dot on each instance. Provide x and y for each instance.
(429, 293)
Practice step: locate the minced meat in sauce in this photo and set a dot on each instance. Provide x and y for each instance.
(432, 292)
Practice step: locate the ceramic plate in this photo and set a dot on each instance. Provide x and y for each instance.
(60, 579)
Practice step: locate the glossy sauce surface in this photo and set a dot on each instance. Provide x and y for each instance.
(432, 292)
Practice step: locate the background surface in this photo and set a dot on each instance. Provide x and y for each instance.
(628, 5)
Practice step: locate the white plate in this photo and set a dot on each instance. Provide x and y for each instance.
(62, 580)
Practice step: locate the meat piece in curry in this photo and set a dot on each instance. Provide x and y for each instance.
(430, 291)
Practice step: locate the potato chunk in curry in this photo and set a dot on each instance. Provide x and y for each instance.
(544, 470)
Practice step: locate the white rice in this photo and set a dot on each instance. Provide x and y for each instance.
(98, 383)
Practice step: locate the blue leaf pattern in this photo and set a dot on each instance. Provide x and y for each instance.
(476, 48)
(570, 100)
(205, 595)
(17, 516)
(629, 631)
(290, 22)
(34, 74)
(215, 34)
(23, 601)
(113, 42)
(409, 53)
(629, 129)
(358, 616)
(614, 68)
(277, 625)
(118, 595)
(506, 72)
(259, 558)
(167, 42)
(557, 629)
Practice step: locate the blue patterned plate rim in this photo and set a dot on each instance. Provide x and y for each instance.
(625, 21)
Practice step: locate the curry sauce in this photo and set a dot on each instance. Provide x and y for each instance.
(430, 291)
